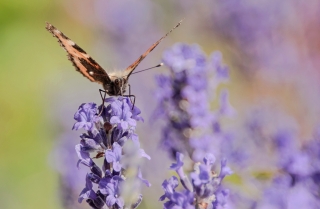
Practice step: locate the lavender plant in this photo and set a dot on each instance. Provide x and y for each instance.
(108, 136)
(191, 127)
(297, 183)
(280, 167)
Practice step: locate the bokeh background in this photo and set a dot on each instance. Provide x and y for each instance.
(271, 47)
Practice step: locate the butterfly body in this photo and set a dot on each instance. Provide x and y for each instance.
(116, 87)
(115, 83)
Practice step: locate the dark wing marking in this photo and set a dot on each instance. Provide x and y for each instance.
(133, 66)
(79, 58)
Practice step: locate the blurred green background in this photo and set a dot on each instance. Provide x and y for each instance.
(27, 136)
(40, 89)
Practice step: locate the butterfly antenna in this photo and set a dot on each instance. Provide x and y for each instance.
(159, 65)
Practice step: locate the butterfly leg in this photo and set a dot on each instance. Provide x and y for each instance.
(130, 95)
(134, 100)
(134, 97)
(103, 100)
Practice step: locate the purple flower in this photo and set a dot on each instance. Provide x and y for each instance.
(169, 187)
(225, 106)
(90, 142)
(114, 156)
(183, 97)
(274, 144)
(191, 126)
(221, 71)
(111, 187)
(205, 189)
(135, 111)
(209, 160)
(183, 57)
(85, 117)
(179, 165)
(122, 114)
(87, 192)
(84, 156)
(180, 200)
(200, 177)
(164, 83)
(113, 128)
(142, 153)
(225, 170)
(146, 182)
(176, 199)
(221, 199)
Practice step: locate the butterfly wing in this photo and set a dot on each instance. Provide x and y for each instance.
(133, 66)
(79, 58)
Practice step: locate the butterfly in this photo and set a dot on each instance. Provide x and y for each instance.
(115, 83)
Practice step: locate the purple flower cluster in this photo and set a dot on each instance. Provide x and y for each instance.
(299, 180)
(106, 137)
(296, 183)
(191, 126)
(183, 99)
(204, 190)
(283, 168)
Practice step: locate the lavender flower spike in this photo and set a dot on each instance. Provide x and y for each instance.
(183, 99)
(106, 136)
(205, 189)
(191, 127)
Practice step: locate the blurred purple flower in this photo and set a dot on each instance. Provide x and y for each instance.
(273, 143)
(169, 187)
(179, 164)
(176, 199)
(221, 71)
(146, 182)
(184, 102)
(180, 200)
(225, 107)
(225, 170)
(200, 177)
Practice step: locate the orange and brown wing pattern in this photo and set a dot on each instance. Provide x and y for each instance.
(79, 58)
(133, 66)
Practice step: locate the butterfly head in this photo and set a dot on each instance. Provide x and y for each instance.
(117, 86)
